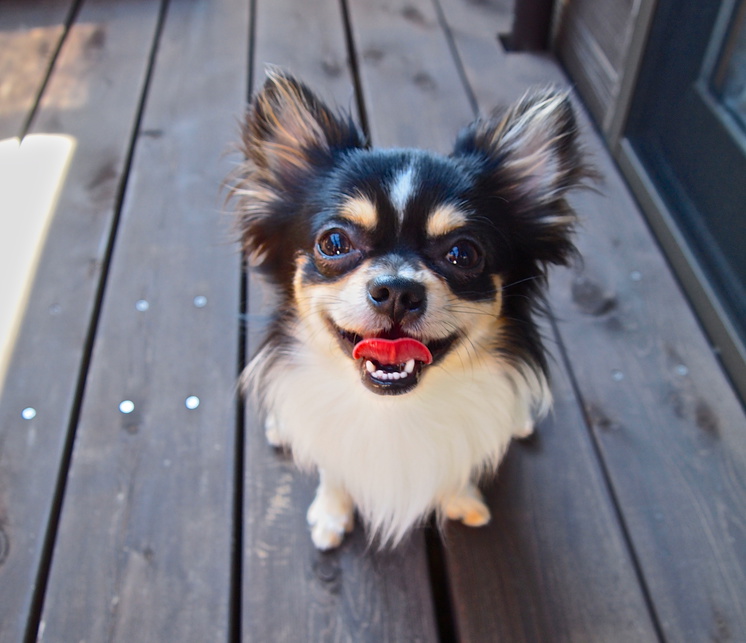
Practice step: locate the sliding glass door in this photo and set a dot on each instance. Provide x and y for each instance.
(687, 127)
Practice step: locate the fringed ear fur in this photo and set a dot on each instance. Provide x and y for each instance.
(532, 159)
(289, 131)
(288, 135)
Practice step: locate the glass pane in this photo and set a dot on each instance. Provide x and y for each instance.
(730, 77)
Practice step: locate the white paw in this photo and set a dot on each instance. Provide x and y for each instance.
(468, 507)
(330, 516)
(272, 432)
(524, 431)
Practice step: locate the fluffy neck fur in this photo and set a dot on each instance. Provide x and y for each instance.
(397, 456)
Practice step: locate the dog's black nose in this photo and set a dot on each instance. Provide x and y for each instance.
(399, 298)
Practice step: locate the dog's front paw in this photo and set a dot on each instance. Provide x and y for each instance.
(272, 432)
(330, 516)
(525, 431)
(468, 507)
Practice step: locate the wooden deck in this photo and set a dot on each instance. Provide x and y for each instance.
(623, 520)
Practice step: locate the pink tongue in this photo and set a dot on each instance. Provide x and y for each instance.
(392, 351)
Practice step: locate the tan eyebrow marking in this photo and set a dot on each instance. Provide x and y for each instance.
(444, 219)
(360, 211)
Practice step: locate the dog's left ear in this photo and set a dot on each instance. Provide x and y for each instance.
(531, 158)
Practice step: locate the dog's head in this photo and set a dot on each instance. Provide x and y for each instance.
(402, 258)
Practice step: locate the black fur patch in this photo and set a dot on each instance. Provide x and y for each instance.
(508, 174)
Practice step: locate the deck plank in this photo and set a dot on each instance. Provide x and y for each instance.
(408, 76)
(525, 576)
(670, 428)
(552, 565)
(30, 34)
(292, 592)
(320, 57)
(46, 365)
(144, 551)
(145, 546)
(354, 593)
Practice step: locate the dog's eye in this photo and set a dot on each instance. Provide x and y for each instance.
(464, 254)
(334, 243)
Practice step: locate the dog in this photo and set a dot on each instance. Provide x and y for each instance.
(403, 354)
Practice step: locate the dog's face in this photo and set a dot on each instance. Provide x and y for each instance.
(400, 258)
(399, 251)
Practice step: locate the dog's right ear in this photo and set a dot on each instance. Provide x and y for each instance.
(288, 137)
(531, 158)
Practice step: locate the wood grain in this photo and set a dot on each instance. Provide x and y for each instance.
(144, 550)
(310, 43)
(30, 34)
(49, 353)
(494, 77)
(553, 564)
(652, 495)
(594, 42)
(408, 75)
(670, 428)
(291, 592)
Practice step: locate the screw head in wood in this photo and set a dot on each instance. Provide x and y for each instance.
(126, 406)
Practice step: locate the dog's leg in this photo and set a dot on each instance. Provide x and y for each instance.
(331, 514)
(467, 506)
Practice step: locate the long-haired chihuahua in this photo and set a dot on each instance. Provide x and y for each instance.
(403, 355)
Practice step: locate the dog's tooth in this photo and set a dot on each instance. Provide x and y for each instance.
(369, 366)
(409, 366)
(395, 376)
(403, 374)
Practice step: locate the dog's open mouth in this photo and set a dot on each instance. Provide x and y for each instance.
(392, 362)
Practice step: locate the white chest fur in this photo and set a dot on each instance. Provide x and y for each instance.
(398, 457)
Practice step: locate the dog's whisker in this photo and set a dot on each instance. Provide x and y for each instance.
(520, 281)
(470, 311)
